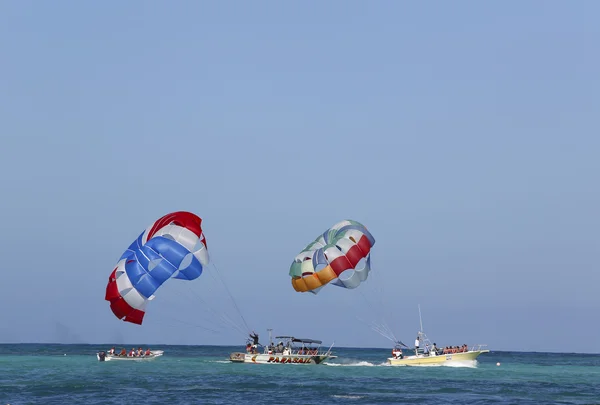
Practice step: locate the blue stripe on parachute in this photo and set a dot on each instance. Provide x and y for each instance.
(167, 256)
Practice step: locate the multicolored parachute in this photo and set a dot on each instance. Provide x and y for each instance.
(338, 250)
(172, 247)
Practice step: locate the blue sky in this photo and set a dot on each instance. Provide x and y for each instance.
(463, 134)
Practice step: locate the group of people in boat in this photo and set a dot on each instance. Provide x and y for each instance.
(132, 353)
(433, 351)
(252, 347)
(454, 349)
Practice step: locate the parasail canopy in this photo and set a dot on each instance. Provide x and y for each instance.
(172, 247)
(341, 255)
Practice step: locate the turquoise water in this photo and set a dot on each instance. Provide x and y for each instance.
(71, 374)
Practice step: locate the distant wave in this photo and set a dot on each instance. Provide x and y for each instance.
(194, 388)
(348, 396)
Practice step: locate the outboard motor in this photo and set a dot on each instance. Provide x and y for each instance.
(101, 356)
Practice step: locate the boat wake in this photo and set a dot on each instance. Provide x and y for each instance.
(351, 363)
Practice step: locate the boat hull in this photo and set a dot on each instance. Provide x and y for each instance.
(263, 358)
(109, 357)
(422, 360)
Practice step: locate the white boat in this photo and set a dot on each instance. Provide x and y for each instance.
(428, 354)
(289, 350)
(104, 356)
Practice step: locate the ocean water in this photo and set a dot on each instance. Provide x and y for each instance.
(71, 374)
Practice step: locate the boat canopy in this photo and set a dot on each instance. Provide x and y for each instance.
(298, 340)
(307, 341)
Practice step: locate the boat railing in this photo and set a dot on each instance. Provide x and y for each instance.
(477, 347)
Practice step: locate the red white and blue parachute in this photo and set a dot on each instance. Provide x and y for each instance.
(341, 255)
(172, 247)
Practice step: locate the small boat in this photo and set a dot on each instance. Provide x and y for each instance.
(104, 356)
(289, 350)
(425, 353)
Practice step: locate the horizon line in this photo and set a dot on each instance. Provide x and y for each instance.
(214, 345)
